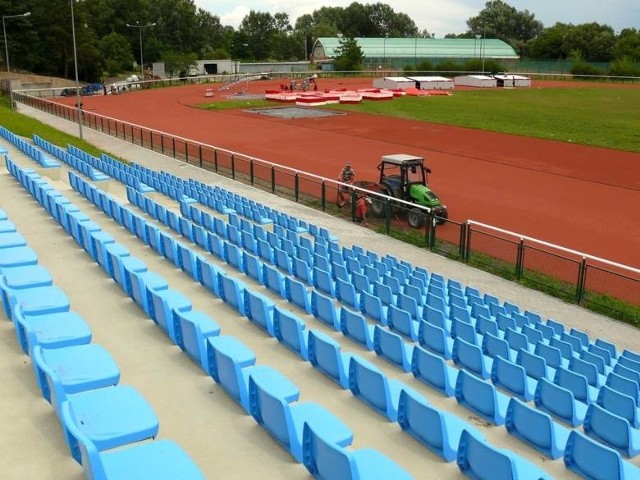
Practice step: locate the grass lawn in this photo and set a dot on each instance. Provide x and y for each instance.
(26, 126)
(603, 117)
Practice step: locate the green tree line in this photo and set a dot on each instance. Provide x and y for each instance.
(108, 34)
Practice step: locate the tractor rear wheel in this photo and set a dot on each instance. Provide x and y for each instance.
(416, 217)
(379, 205)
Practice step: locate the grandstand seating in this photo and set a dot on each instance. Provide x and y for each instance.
(521, 354)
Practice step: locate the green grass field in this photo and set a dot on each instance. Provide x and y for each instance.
(27, 126)
(602, 117)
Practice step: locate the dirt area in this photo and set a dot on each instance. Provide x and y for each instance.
(29, 78)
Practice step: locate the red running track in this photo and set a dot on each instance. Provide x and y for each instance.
(583, 198)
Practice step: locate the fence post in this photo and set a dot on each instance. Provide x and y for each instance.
(582, 280)
(186, 152)
(273, 179)
(215, 160)
(387, 216)
(162, 143)
(233, 166)
(200, 154)
(463, 239)
(323, 196)
(520, 259)
(251, 171)
(141, 137)
(173, 146)
(467, 253)
(296, 187)
(432, 231)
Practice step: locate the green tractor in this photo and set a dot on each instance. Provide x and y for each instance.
(404, 177)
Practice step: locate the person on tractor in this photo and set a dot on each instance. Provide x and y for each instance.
(347, 175)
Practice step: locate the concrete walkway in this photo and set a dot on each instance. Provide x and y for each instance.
(193, 410)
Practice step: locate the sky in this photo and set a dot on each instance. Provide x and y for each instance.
(444, 16)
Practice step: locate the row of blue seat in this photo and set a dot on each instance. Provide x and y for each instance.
(78, 377)
(261, 311)
(239, 375)
(28, 149)
(70, 159)
(355, 327)
(204, 187)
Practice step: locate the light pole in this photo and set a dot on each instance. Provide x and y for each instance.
(4, 32)
(75, 63)
(384, 49)
(482, 47)
(475, 45)
(415, 53)
(140, 27)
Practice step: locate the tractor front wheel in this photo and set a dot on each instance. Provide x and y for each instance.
(416, 218)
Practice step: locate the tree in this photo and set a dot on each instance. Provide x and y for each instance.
(258, 28)
(500, 20)
(628, 45)
(116, 52)
(591, 41)
(550, 43)
(350, 56)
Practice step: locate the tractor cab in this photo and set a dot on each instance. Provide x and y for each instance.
(399, 172)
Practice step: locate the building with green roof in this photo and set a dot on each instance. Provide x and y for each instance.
(398, 52)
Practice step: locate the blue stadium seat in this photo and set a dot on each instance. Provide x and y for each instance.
(297, 293)
(327, 461)
(478, 459)
(559, 402)
(481, 397)
(192, 329)
(400, 321)
(145, 461)
(260, 310)
(54, 330)
(141, 284)
(347, 294)
(470, 357)
(513, 378)
(493, 346)
(230, 365)
(325, 355)
(232, 292)
(588, 370)
(434, 339)
(590, 459)
(612, 430)
(392, 347)
(439, 431)
(284, 419)
(536, 428)
(372, 307)
(465, 331)
(110, 417)
(208, 275)
(74, 369)
(620, 404)
(577, 384)
(324, 309)
(433, 371)
(290, 330)
(355, 326)
(164, 304)
(372, 386)
(624, 385)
